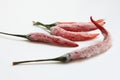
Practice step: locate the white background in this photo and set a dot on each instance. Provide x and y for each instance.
(16, 16)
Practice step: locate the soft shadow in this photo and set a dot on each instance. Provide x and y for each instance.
(49, 44)
(42, 63)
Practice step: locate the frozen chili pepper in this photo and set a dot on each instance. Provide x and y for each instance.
(83, 53)
(74, 36)
(73, 26)
(41, 37)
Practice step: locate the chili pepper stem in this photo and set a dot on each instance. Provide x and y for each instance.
(16, 63)
(17, 35)
(61, 59)
(48, 26)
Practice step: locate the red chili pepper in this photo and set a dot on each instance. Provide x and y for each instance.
(73, 26)
(74, 36)
(83, 53)
(96, 49)
(40, 37)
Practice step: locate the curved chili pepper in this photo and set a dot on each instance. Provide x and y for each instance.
(73, 26)
(83, 53)
(96, 49)
(40, 37)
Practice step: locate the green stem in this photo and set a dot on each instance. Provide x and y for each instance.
(61, 59)
(17, 35)
(48, 26)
